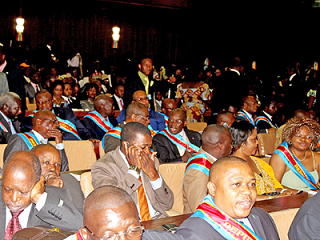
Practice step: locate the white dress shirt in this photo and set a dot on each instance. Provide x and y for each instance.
(13, 131)
(118, 101)
(185, 138)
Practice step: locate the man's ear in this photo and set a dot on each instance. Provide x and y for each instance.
(211, 188)
(185, 123)
(5, 108)
(38, 122)
(139, 65)
(84, 233)
(134, 117)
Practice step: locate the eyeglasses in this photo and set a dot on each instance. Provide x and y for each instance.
(56, 122)
(143, 117)
(44, 102)
(175, 121)
(142, 99)
(131, 233)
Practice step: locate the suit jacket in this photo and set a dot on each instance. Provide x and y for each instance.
(157, 121)
(167, 151)
(150, 234)
(51, 215)
(196, 228)
(112, 170)
(17, 143)
(115, 103)
(110, 142)
(4, 86)
(30, 92)
(133, 83)
(95, 131)
(262, 126)
(305, 225)
(4, 136)
(194, 187)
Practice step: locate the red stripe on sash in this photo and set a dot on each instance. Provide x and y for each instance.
(178, 140)
(100, 121)
(201, 161)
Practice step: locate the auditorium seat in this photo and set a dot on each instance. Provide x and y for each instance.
(86, 183)
(196, 126)
(283, 220)
(266, 144)
(2, 147)
(30, 106)
(80, 154)
(101, 151)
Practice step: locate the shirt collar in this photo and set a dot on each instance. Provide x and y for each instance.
(250, 115)
(39, 136)
(124, 158)
(268, 115)
(5, 117)
(233, 70)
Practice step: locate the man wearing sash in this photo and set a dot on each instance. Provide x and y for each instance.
(10, 108)
(265, 121)
(101, 120)
(216, 143)
(227, 211)
(133, 168)
(44, 126)
(136, 112)
(249, 106)
(157, 121)
(176, 143)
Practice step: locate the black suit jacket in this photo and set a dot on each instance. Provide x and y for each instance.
(262, 126)
(52, 214)
(17, 143)
(115, 103)
(196, 228)
(133, 83)
(4, 136)
(95, 131)
(167, 151)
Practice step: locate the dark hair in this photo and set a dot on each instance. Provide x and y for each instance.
(240, 131)
(134, 108)
(91, 85)
(55, 84)
(179, 110)
(131, 129)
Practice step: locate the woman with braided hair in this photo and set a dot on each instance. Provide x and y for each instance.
(294, 163)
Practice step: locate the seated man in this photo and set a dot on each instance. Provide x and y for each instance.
(305, 224)
(168, 105)
(249, 106)
(10, 109)
(50, 168)
(176, 143)
(101, 120)
(136, 112)
(216, 143)
(265, 121)
(157, 121)
(133, 168)
(44, 126)
(71, 127)
(26, 202)
(227, 212)
(225, 119)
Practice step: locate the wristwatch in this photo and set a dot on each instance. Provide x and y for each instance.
(135, 168)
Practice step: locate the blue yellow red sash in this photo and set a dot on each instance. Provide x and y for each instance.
(165, 118)
(30, 139)
(199, 162)
(264, 119)
(295, 165)
(114, 132)
(245, 116)
(3, 127)
(65, 125)
(178, 140)
(225, 225)
(99, 120)
(153, 132)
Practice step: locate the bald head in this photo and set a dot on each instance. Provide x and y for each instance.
(137, 112)
(225, 117)
(141, 97)
(44, 122)
(299, 113)
(103, 104)
(168, 105)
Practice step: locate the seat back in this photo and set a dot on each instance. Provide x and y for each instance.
(196, 126)
(266, 143)
(2, 147)
(86, 183)
(172, 174)
(80, 154)
(30, 106)
(101, 151)
(283, 220)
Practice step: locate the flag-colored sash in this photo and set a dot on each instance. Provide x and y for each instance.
(3, 127)
(165, 118)
(264, 119)
(246, 117)
(114, 132)
(295, 165)
(30, 139)
(178, 140)
(99, 121)
(225, 225)
(153, 132)
(199, 162)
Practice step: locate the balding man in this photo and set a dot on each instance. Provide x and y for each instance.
(168, 105)
(176, 143)
(10, 109)
(50, 162)
(133, 168)
(135, 112)
(157, 121)
(225, 119)
(101, 120)
(26, 202)
(249, 106)
(216, 143)
(44, 126)
(227, 211)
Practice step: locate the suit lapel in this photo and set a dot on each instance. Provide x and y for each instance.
(5, 123)
(257, 226)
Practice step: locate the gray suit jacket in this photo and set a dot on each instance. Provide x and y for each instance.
(112, 170)
(4, 136)
(17, 143)
(30, 92)
(110, 142)
(196, 228)
(51, 215)
(4, 87)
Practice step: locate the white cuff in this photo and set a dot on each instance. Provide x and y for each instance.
(59, 146)
(156, 183)
(42, 201)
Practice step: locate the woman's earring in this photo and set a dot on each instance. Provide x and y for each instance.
(289, 142)
(242, 148)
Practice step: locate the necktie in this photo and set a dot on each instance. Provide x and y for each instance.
(121, 103)
(13, 225)
(143, 203)
(38, 88)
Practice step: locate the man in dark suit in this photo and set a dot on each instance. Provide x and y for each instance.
(26, 202)
(135, 169)
(44, 126)
(249, 106)
(10, 108)
(305, 223)
(232, 190)
(118, 97)
(50, 161)
(33, 87)
(266, 121)
(101, 120)
(173, 143)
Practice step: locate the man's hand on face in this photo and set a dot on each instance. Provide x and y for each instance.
(133, 155)
(148, 165)
(38, 190)
(54, 180)
(56, 134)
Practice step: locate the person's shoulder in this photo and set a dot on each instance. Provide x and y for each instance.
(150, 234)
(259, 212)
